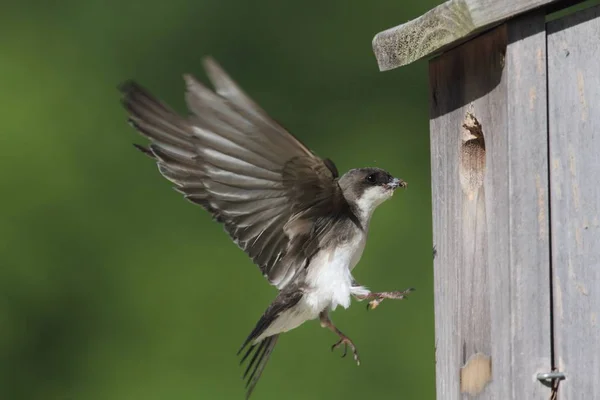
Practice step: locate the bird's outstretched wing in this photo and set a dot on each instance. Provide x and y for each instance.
(269, 190)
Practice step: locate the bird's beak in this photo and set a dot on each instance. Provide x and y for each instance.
(396, 183)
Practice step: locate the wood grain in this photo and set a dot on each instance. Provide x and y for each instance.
(574, 115)
(445, 26)
(491, 273)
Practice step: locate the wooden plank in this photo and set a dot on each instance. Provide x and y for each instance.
(490, 218)
(445, 26)
(574, 115)
(462, 323)
(525, 206)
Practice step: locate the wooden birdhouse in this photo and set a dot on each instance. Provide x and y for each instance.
(515, 166)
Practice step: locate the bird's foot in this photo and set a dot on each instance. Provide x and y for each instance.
(345, 340)
(377, 298)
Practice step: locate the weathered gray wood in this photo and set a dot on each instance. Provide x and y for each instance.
(574, 115)
(491, 228)
(444, 26)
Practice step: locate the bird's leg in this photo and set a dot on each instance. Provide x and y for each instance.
(345, 340)
(376, 298)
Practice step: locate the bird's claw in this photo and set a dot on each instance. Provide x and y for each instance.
(374, 303)
(347, 342)
(379, 297)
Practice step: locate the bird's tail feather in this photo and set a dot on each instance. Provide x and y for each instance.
(260, 356)
(258, 347)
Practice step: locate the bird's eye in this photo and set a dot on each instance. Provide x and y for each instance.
(371, 178)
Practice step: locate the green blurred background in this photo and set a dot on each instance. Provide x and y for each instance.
(114, 287)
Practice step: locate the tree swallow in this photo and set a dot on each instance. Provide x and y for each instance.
(289, 210)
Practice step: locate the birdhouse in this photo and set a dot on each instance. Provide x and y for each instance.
(514, 95)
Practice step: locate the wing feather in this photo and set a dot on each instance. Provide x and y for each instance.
(241, 181)
(214, 113)
(239, 100)
(270, 192)
(233, 149)
(233, 209)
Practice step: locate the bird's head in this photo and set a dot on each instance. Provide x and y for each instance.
(366, 188)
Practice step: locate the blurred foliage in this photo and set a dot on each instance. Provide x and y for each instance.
(114, 287)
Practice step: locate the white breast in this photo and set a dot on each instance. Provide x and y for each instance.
(329, 276)
(328, 280)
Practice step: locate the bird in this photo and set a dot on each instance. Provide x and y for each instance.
(290, 211)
